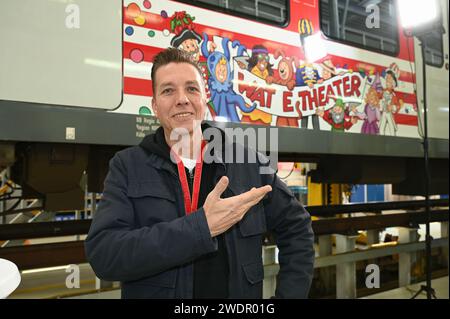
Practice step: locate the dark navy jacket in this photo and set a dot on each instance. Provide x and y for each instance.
(141, 237)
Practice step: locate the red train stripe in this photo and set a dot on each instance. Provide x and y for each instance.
(135, 86)
(408, 98)
(405, 119)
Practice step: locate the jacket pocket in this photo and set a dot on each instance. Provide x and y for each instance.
(164, 279)
(153, 203)
(161, 285)
(254, 222)
(254, 272)
(151, 189)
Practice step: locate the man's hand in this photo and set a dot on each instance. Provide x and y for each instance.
(221, 214)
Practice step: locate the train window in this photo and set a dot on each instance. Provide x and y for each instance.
(273, 11)
(57, 54)
(434, 54)
(349, 21)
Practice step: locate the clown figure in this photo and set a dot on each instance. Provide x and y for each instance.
(220, 82)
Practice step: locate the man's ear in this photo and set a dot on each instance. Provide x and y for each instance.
(154, 107)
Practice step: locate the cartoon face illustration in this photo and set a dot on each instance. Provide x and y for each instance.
(286, 73)
(337, 114)
(326, 74)
(259, 62)
(372, 98)
(284, 69)
(337, 109)
(390, 81)
(263, 60)
(185, 38)
(328, 69)
(221, 70)
(223, 98)
(191, 46)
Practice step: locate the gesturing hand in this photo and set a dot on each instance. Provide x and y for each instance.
(221, 214)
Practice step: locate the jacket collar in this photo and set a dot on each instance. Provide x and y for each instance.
(158, 151)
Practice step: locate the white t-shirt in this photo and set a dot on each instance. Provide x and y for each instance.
(189, 163)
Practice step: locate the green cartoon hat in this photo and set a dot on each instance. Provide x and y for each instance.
(339, 102)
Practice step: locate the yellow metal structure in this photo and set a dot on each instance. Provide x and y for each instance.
(326, 194)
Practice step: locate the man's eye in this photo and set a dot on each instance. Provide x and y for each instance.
(167, 91)
(192, 89)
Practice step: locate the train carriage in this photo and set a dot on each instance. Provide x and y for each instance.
(338, 78)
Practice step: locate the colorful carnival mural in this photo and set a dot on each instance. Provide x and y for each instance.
(257, 83)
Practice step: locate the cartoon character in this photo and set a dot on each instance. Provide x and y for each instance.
(328, 70)
(258, 64)
(306, 75)
(338, 117)
(372, 113)
(300, 76)
(286, 72)
(220, 81)
(185, 38)
(188, 40)
(390, 102)
(285, 75)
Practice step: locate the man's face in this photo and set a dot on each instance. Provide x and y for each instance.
(191, 46)
(179, 98)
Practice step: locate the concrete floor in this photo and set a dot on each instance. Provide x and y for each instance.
(439, 285)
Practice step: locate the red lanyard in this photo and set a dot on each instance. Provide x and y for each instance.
(188, 205)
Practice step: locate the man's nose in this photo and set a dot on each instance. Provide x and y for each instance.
(182, 98)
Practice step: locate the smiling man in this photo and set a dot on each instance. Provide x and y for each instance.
(179, 98)
(171, 225)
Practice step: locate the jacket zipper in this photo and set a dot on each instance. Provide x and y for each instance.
(191, 178)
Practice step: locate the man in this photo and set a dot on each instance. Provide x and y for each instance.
(149, 234)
